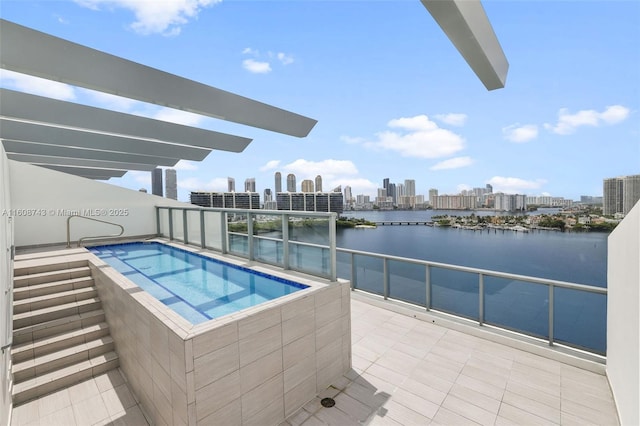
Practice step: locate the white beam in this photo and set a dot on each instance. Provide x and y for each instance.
(32, 52)
(18, 147)
(77, 162)
(45, 134)
(467, 26)
(28, 107)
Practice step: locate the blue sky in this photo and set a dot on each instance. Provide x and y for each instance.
(392, 96)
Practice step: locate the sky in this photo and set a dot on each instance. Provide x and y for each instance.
(392, 96)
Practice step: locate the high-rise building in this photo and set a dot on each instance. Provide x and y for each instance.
(433, 193)
(306, 185)
(612, 194)
(250, 185)
(171, 184)
(278, 178)
(156, 182)
(489, 189)
(391, 193)
(311, 201)
(410, 187)
(385, 183)
(318, 183)
(348, 197)
(291, 182)
(630, 192)
(228, 200)
(231, 184)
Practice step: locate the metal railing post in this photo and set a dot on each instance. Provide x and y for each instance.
(354, 272)
(250, 236)
(202, 232)
(170, 223)
(551, 314)
(285, 241)
(185, 228)
(385, 279)
(480, 299)
(224, 233)
(157, 221)
(427, 280)
(333, 272)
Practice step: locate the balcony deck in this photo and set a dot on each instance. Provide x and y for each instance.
(410, 372)
(405, 372)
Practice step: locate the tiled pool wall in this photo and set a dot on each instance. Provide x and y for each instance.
(255, 367)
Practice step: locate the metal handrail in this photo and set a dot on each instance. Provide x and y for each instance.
(80, 240)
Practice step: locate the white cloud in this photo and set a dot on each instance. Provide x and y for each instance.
(155, 17)
(352, 140)
(196, 184)
(517, 133)
(513, 185)
(36, 85)
(418, 137)
(256, 67)
(270, 165)
(184, 165)
(285, 59)
(250, 51)
(178, 116)
(113, 102)
(453, 163)
(463, 187)
(568, 123)
(329, 169)
(452, 119)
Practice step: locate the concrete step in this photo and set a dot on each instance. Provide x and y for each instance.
(50, 276)
(35, 266)
(34, 332)
(37, 290)
(44, 364)
(48, 300)
(49, 344)
(64, 377)
(55, 312)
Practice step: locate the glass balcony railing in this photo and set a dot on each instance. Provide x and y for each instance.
(560, 312)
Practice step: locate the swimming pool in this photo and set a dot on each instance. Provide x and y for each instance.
(197, 287)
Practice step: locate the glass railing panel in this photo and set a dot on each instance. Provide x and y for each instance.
(369, 274)
(454, 292)
(407, 282)
(178, 227)
(580, 319)
(268, 250)
(309, 230)
(193, 227)
(517, 305)
(314, 260)
(268, 225)
(213, 232)
(343, 265)
(164, 222)
(239, 244)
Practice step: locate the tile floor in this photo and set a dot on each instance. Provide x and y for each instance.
(410, 372)
(405, 372)
(103, 400)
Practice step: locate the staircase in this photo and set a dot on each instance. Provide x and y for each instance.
(60, 336)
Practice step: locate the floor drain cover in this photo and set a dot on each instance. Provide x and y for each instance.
(327, 402)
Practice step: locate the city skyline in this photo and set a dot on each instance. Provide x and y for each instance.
(400, 105)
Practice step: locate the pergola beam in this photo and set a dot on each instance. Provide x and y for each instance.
(467, 26)
(32, 52)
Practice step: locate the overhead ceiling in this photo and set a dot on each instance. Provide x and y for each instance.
(99, 143)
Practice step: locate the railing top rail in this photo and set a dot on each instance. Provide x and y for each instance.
(486, 272)
(295, 213)
(90, 237)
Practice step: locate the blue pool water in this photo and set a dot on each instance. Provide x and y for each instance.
(197, 287)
